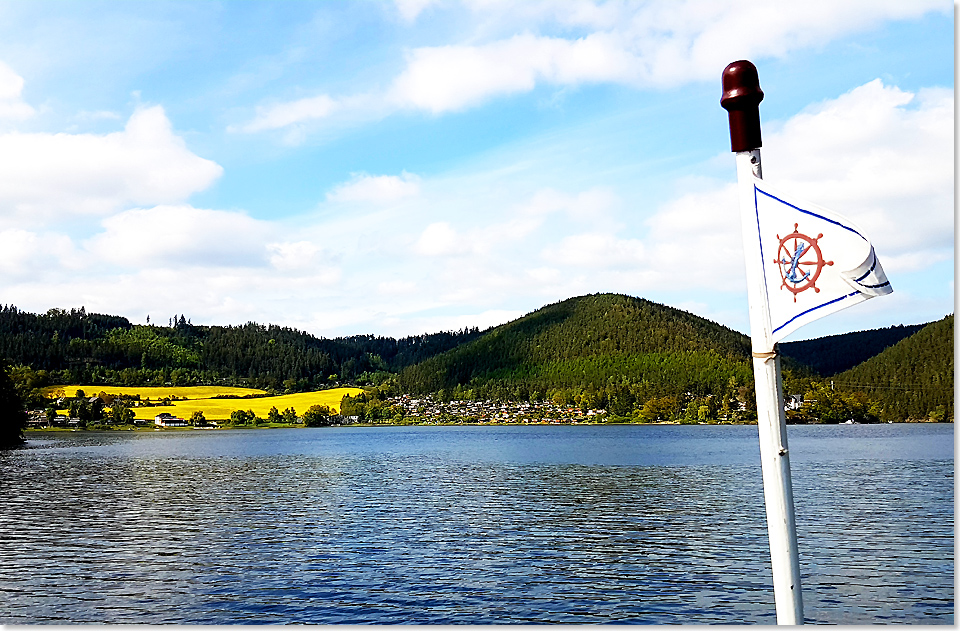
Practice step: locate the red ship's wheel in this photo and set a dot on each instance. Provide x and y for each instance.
(800, 262)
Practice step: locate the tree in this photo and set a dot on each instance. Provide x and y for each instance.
(198, 419)
(96, 410)
(13, 416)
(242, 417)
(353, 406)
(659, 409)
(289, 415)
(120, 414)
(317, 416)
(274, 416)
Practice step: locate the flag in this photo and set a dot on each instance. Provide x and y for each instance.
(814, 261)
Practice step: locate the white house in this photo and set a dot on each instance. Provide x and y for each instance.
(165, 419)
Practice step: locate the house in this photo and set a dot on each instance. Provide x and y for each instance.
(792, 401)
(35, 421)
(165, 419)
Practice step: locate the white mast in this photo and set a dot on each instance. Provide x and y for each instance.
(741, 98)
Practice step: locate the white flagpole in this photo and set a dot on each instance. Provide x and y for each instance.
(741, 98)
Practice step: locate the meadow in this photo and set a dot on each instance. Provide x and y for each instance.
(192, 399)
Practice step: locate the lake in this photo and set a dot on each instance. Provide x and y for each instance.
(471, 525)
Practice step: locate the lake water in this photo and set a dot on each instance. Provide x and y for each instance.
(474, 525)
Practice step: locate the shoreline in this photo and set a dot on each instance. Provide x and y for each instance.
(367, 425)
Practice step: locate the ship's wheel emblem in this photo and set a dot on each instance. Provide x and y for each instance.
(800, 261)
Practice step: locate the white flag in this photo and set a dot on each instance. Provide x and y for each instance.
(814, 261)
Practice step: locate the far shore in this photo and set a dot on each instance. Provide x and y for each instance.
(150, 428)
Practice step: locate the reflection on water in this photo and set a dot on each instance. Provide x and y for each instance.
(471, 525)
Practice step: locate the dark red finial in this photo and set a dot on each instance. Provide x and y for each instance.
(741, 98)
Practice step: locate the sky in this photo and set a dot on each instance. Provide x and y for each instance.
(407, 167)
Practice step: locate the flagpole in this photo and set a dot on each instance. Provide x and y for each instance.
(741, 98)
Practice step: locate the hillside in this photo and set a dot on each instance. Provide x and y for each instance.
(630, 356)
(79, 347)
(835, 353)
(613, 349)
(912, 379)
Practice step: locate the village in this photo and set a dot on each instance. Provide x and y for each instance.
(429, 410)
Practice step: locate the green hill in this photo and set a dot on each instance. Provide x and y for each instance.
(611, 350)
(79, 347)
(835, 353)
(912, 379)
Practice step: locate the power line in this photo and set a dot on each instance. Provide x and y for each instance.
(901, 387)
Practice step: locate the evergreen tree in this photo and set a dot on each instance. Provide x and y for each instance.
(13, 417)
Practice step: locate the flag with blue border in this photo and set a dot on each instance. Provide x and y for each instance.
(814, 261)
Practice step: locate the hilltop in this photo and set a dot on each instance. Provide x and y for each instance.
(603, 350)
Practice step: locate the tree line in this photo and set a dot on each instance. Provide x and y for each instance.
(79, 347)
(637, 360)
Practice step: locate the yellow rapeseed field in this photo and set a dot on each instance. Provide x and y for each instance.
(220, 409)
(200, 399)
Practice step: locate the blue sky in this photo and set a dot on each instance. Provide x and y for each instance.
(405, 167)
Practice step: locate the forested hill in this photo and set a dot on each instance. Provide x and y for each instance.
(616, 348)
(912, 379)
(79, 347)
(835, 353)
(630, 356)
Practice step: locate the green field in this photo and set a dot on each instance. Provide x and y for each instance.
(200, 399)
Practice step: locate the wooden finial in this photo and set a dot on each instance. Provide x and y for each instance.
(741, 98)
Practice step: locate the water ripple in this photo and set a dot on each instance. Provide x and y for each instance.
(462, 528)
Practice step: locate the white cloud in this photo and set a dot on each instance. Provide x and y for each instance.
(297, 255)
(449, 78)
(376, 188)
(440, 239)
(285, 114)
(182, 236)
(410, 9)
(650, 45)
(12, 105)
(598, 251)
(643, 45)
(43, 175)
(879, 155)
(30, 255)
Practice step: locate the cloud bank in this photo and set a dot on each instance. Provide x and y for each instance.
(641, 45)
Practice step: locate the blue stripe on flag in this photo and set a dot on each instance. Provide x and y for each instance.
(756, 208)
(807, 212)
(873, 266)
(850, 295)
